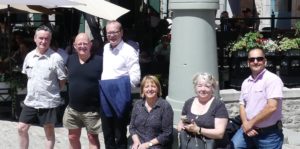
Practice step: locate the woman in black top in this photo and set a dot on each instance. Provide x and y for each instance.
(151, 122)
(204, 114)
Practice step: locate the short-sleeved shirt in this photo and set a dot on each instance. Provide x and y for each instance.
(217, 109)
(43, 73)
(158, 123)
(63, 54)
(255, 94)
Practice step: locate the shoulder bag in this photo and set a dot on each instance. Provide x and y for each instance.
(190, 141)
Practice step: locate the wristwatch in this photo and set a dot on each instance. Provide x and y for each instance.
(150, 144)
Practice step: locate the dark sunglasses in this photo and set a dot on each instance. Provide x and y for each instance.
(258, 59)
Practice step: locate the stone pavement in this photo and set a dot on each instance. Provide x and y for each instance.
(292, 139)
(9, 137)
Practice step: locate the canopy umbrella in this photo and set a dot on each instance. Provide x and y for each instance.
(50, 3)
(17, 9)
(42, 9)
(99, 8)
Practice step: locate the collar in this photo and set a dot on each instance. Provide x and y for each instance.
(118, 47)
(259, 76)
(157, 103)
(46, 54)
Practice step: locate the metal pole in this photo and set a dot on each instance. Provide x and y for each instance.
(272, 21)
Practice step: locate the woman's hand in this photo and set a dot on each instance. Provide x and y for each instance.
(143, 146)
(136, 142)
(193, 127)
(180, 126)
(135, 145)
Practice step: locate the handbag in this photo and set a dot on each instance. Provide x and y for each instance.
(191, 141)
(233, 125)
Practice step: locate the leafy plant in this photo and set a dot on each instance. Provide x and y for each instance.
(253, 40)
(297, 28)
(287, 44)
(270, 45)
(248, 41)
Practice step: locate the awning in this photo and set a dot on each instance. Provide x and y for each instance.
(50, 3)
(17, 9)
(100, 8)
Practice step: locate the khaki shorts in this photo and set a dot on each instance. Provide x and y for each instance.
(73, 119)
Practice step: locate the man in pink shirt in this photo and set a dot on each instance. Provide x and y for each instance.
(260, 107)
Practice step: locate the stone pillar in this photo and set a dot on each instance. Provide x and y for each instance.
(193, 48)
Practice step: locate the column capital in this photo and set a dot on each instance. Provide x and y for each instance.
(193, 4)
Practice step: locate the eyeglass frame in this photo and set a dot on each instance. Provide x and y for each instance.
(258, 59)
(113, 33)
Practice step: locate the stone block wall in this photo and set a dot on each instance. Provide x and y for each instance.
(290, 106)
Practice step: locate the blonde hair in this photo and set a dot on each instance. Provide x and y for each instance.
(154, 80)
(208, 78)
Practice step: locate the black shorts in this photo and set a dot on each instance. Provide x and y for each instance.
(30, 115)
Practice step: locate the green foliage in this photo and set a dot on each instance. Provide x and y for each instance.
(287, 44)
(248, 41)
(297, 28)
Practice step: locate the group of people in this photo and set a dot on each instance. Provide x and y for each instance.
(89, 76)
(99, 90)
(260, 109)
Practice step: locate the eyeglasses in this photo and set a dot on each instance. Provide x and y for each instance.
(112, 33)
(258, 59)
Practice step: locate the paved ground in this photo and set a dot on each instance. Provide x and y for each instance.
(9, 137)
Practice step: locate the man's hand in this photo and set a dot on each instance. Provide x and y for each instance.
(252, 133)
(247, 126)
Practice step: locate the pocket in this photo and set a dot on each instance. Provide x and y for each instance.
(259, 94)
(28, 71)
(48, 72)
(256, 94)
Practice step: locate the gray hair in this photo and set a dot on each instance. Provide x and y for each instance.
(43, 28)
(208, 78)
(116, 23)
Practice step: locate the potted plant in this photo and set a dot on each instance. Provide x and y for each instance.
(248, 41)
(251, 40)
(286, 44)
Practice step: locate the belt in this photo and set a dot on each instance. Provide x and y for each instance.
(277, 126)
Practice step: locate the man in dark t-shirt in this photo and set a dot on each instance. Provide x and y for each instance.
(84, 71)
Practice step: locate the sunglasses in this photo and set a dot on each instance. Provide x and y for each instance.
(258, 59)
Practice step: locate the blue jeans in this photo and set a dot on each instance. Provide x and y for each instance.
(266, 140)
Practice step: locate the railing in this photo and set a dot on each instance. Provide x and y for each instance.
(284, 64)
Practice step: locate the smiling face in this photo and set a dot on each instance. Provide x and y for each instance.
(82, 45)
(42, 39)
(204, 90)
(150, 87)
(114, 33)
(256, 61)
(204, 85)
(150, 90)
